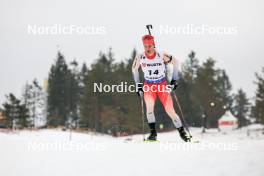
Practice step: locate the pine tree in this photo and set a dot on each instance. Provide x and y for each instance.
(74, 93)
(128, 103)
(10, 109)
(258, 108)
(213, 92)
(16, 112)
(107, 111)
(224, 88)
(23, 116)
(93, 102)
(58, 93)
(83, 123)
(83, 77)
(241, 107)
(187, 90)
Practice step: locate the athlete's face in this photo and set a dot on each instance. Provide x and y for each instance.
(149, 48)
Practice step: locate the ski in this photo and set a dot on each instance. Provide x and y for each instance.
(147, 140)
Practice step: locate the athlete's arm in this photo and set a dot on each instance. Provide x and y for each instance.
(170, 59)
(135, 67)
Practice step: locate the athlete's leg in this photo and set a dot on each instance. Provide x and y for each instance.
(167, 102)
(150, 98)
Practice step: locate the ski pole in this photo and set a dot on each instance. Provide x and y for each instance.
(142, 116)
(182, 116)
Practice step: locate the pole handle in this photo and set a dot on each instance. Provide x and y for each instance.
(149, 26)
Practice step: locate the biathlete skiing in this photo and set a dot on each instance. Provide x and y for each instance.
(154, 65)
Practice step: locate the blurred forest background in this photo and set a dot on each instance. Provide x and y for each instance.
(67, 99)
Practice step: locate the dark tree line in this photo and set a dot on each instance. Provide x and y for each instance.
(16, 112)
(204, 92)
(64, 93)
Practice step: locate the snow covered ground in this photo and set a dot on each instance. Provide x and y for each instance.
(51, 153)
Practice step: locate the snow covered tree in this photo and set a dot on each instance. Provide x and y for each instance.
(33, 98)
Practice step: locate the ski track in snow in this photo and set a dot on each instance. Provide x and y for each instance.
(51, 153)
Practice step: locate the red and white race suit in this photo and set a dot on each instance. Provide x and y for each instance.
(155, 83)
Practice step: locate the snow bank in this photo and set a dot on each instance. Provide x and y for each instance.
(51, 152)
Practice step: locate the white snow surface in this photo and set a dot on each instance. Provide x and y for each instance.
(52, 153)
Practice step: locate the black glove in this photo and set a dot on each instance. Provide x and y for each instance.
(139, 88)
(174, 84)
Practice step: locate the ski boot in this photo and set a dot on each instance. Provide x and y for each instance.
(152, 136)
(184, 136)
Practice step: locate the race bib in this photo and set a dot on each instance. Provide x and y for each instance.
(153, 69)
